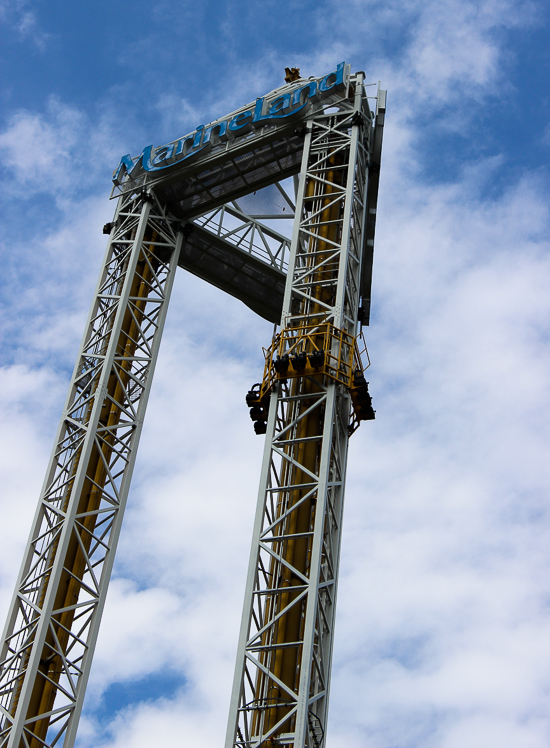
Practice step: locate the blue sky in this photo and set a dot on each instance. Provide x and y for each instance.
(443, 634)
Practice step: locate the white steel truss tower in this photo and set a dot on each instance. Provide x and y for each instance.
(312, 397)
(281, 688)
(52, 628)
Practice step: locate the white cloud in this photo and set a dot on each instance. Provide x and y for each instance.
(58, 152)
(545, 138)
(30, 401)
(19, 15)
(177, 115)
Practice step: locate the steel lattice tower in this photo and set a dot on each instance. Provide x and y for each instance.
(283, 664)
(56, 610)
(313, 395)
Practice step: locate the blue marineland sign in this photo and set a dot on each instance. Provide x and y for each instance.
(283, 108)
